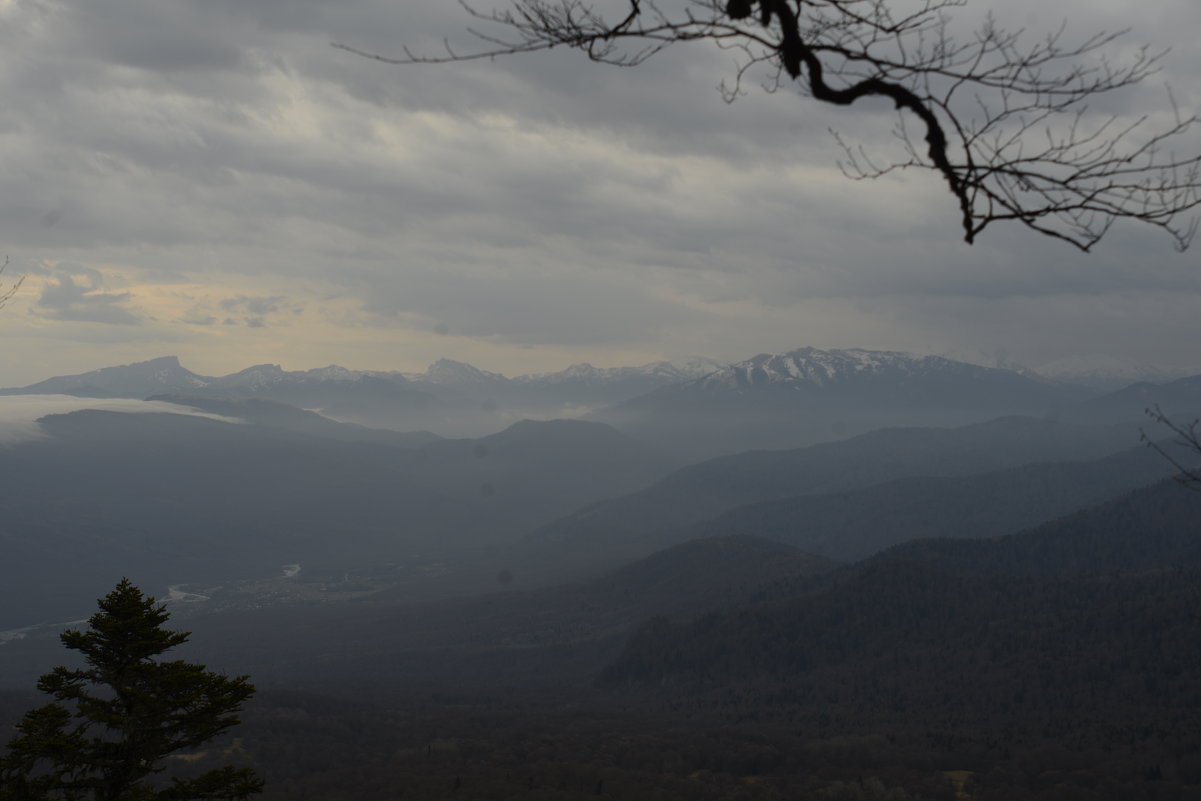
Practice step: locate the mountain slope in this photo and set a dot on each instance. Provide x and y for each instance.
(157, 376)
(810, 395)
(856, 523)
(624, 527)
(170, 499)
(555, 636)
(277, 414)
(1153, 528)
(1180, 399)
(1087, 621)
(453, 398)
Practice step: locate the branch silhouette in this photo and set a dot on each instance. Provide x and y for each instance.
(1005, 120)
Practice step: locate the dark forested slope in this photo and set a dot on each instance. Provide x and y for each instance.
(1088, 621)
(557, 636)
(637, 524)
(854, 524)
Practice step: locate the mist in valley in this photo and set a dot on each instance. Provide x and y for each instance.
(526, 429)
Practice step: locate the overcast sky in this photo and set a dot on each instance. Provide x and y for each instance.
(210, 179)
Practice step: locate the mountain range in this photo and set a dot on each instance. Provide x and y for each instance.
(179, 498)
(174, 498)
(1108, 373)
(451, 398)
(810, 395)
(998, 608)
(635, 524)
(1081, 619)
(692, 409)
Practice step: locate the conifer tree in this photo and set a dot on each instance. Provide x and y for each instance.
(111, 726)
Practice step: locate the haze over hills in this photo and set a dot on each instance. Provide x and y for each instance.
(693, 409)
(577, 386)
(1107, 373)
(1024, 596)
(811, 395)
(292, 486)
(853, 524)
(1179, 399)
(636, 524)
(555, 636)
(1152, 528)
(1090, 618)
(168, 499)
(276, 414)
(173, 499)
(450, 398)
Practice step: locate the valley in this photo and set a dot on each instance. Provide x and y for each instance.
(989, 609)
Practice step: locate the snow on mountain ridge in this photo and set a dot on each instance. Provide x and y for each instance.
(820, 368)
(680, 370)
(254, 377)
(259, 376)
(334, 372)
(155, 375)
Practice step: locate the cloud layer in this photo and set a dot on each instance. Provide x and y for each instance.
(19, 413)
(211, 178)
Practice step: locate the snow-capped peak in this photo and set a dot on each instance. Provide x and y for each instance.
(667, 371)
(164, 374)
(334, 373)
(448, 372)
(816, 367)
(255, 376)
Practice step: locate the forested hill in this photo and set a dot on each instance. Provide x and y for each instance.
(1157, 527)
(853, 524)
(909, 644)
(172, 498)
(702, 491)
(558, 636)
(1088, 622)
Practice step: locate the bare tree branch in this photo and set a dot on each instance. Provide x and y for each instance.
(6, 294)
(1004, 119)
(1188, 436)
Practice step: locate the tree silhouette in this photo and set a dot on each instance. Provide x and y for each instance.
(111, 726)
(1005, 121)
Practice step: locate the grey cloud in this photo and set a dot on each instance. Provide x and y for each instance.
(75, 295)
(537, 307)
(1149, 326)
(203, 319)
(153, 36)
(254, 310)
(145, 138)
(253, 305)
